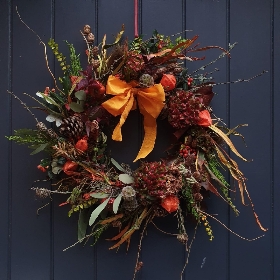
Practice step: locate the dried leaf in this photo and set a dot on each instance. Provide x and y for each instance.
(118, 37)
(118, 236)
(124, 238)
(209, 187)
(111, 219)
(227, 140)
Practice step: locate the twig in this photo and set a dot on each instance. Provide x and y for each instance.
(253, 239)
(51, 192)
(139, 250)
(215, 60)
(45, 49)
(42, 208)
(23, 104)
(189, 252)
(174, 234)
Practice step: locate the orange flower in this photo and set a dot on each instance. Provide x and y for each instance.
(82, 145)
(69, 167)
(170, 203)
(204, 118)
(42, 168)
(168, 82)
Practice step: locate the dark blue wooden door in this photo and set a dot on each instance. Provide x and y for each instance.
(31, 246)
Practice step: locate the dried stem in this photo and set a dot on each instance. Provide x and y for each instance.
(189, 252)
(139, 249)
(51, 192)
(215, 60)
(241, 237)
(45, 49)
(23, 104)
(168, 233)
(42, 208)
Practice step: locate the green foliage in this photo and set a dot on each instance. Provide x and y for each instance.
(84, 205)
(188, 195)
(214, 166)
(59, 56)
(136, 44)
(97, 233)
(75, 64)
(28, 136)
(82, 224)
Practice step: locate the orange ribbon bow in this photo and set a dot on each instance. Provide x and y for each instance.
(150, 101)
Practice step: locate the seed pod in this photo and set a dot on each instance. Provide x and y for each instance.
(90, 38)
(86, 29)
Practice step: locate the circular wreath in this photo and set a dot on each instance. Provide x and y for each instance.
(149, 76)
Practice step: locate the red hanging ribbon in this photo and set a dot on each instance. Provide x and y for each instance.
(136, 18)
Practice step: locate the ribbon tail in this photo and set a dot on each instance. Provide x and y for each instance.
(150, 129)
(117, 133)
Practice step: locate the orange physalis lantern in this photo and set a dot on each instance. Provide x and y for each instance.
(204, 118)
(170, 203)
(69, 167)
(168, 82)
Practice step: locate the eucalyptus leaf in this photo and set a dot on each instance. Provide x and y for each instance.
(82, 224)
(39, 149)
(126, 179)
(117, 165)
(116, 203)
(78, 108)
(56, 170)
(99, 195)
(94, 215)
(81, 95)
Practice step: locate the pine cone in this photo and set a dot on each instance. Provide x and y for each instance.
(72, 127)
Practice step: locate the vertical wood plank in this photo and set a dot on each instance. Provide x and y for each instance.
(30, 250)
(275, 150)
(250, 103)
(162, 254)
(5, 108)
(209, 20)
(77, 262)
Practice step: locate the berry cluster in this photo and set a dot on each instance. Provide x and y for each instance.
(185, 151)
(157, 180)
(183, 109)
